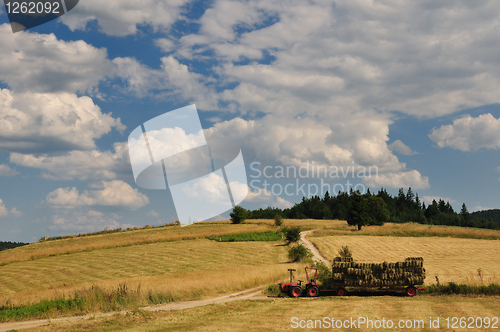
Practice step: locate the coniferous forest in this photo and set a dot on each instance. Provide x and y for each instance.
(375, 209)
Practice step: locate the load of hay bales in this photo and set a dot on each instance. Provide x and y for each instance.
(349, 273)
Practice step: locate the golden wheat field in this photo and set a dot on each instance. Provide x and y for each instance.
(470, 261)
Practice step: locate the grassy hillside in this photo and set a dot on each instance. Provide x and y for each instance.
(148, 235)
(158, 265)
(135, 264)
(124, 239)
(175, 262)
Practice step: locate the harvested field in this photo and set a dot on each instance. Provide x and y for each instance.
(450, 259)
(408, 229)
(186, 267)
(123, 239)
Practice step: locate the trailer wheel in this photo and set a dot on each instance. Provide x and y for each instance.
(312, 291)
(341, 291)
(411, 291)
(295, 291)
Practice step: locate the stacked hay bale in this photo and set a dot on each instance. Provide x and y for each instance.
(349, 273)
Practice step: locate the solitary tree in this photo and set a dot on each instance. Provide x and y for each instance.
(367, 211)
(357, 214)
(238, 215)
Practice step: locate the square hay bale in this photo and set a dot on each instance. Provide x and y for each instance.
(408, 272)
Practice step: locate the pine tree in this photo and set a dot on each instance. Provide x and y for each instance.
(326, 199)
(401, 195)
(410, 196)
(442, 205)
(449, 208)
(465, 214)
(357, 214)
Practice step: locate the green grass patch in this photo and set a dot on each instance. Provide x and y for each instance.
(84, 301)
(42, 309)
(254, 236)
(272, 290)
(462, 289)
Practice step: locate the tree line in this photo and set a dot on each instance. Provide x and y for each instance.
(376, 209)
(493, 214)
(10, 245)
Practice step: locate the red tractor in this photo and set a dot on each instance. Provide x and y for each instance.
(294, 289)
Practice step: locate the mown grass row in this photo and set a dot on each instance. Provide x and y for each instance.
(411, 230)
(449, 259)
(123, 239)
(254, 236)
(167, 265)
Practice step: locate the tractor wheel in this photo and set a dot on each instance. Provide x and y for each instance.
(313, 291)
(341, 291)
(295, 291)
(411, 291)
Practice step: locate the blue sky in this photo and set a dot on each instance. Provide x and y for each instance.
(408, 88)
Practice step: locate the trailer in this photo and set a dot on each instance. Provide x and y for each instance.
(403, 276)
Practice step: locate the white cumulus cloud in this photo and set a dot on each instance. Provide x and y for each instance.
(153, 214)
(172, 80)
(267, 198)
(4, 211)
(401, 179)
(114, 193)
(402, 148)
(42, 63)
(469, 133)
(121, 18)
(93, 164)
(5, 170)
(80, 221)
(44, 122)
(299, 142)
